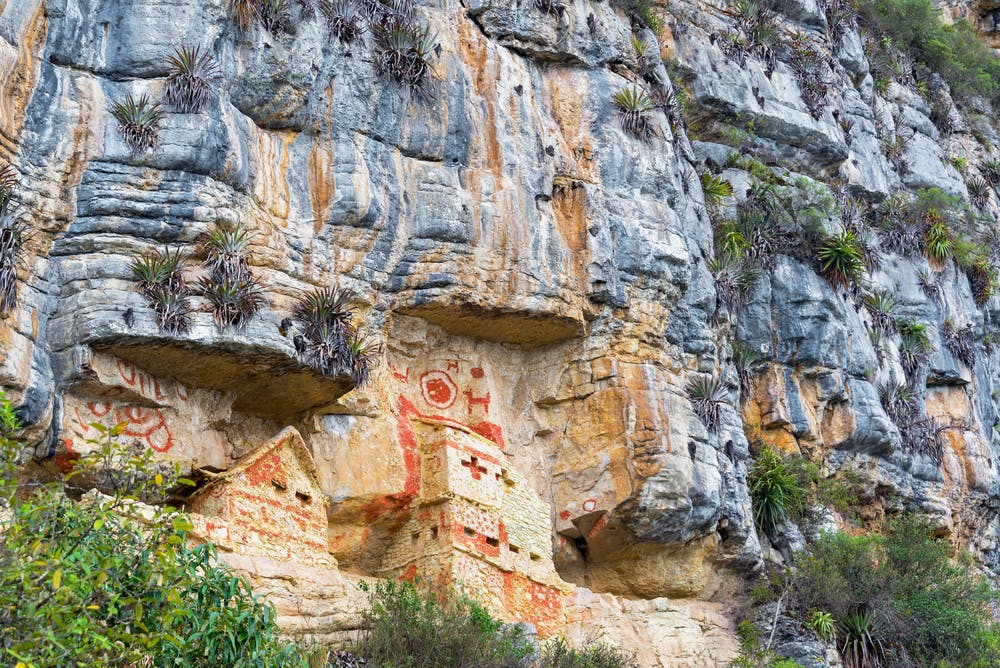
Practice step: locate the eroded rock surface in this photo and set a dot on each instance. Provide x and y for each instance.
(536, 276)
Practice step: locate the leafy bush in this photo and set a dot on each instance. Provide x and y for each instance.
(557, 654)
(955, 51)
(775, 489)
(634, 105)
(897, 598)
(138, 122)
(406, 626)
(85, 584)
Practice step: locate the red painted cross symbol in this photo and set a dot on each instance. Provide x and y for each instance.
(475, 469)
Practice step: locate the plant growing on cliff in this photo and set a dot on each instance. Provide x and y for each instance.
(244, 12)
(189, 84)
(959, 342)
(363, 358)
(329, 342)
(273, 15)
(979, 191)
(8, 183)
(990, 167)
(938, 241)
(881, 307)
(173, 311)
(707, 394)
(634, 105)
(552, 7)
(899, 402)
(87, 583)
(13, 234)
(158, 271)
(861, 641)
(715, 188)
(404, 52)
(138, 122)
(823, 625)
(410, 625)
(777, 492)
(914, 345)
(230, 286)
(745, 359)
(343, 19)
(641, 12)
(734, 280)
(841, 258)
(983, 280)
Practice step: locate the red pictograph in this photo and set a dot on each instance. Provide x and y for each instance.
(438, 389)
(146, 424)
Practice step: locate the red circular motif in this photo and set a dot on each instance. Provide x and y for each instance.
(438, 389)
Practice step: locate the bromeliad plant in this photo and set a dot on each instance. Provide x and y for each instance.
(230, 286)
(882, 309)
(138, 122)
(842, 259)
(861, 641)
(343, 19)
(273, 15)
(776, 491)
(404, 52)
(329, 341)
(552, 7)
(634, 106)
(716, 188)
(707, 394)
(914, 346)
(13, 234)
(189, 84)
(959, 342)
(159, 277)
(979, 191)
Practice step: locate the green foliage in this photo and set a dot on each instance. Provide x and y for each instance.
(822, 625)
(775, 489)
(641, 12)
(898, 598)
(716, 188)
(841, 258)
(861, 643)
(955, 51)
(744, 359)
(159, 276)
(979, 191)
(189, 84)
(914, 344)
(406, 626)
(557, 654)
(634, 105)
(959, 341)
(404, 50)
(707, 394)
(983, 278)
(87, 583)
(273, 15)
(343, 19)
(230, 287)
(138, 122)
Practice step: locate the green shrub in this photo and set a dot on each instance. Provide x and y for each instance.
(822, 625)
(776, 490)
(955, 51)
(557, 654)
(407, 626)
(84, 584)
(898, 596)
(716, 188)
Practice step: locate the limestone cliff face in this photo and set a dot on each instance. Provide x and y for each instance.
(536, 276)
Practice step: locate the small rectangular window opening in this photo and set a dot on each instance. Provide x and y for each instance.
(303, 497)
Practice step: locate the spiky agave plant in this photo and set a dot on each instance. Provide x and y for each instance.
(898, 401)
(958, 341)
(274, 16)
(775, 491)
(8, 182)
(234, 302)
(882, 309)
(979, 191)
(364, 356)
(138, 122)
(189, 84)
(991, 170)
(404, 51)
(842, 259)
(716, 188)
(861, 641)
(343, 19)
(324, 315)
(707, 394)
(634, 105)
(158, 271)
(226, 250)
(244, 12)
(13, 234)
(172, 311)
